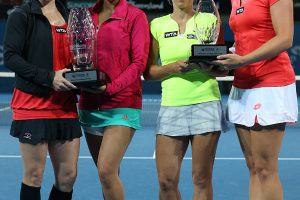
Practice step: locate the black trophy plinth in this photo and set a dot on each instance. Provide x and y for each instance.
(207, 52)
(204, 54)
(84, 78)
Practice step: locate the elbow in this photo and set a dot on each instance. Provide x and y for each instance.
(287, 42)
(147, 72)
(147, 76)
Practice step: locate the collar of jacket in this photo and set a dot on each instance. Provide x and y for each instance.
(35, 8)
(120, 11)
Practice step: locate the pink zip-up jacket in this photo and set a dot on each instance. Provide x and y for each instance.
(122, 44)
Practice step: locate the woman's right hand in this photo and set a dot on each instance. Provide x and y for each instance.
(177, 67)
(60, 83)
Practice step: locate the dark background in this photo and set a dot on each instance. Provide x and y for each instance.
(149, 6)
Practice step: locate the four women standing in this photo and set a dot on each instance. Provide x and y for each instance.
(45, 117)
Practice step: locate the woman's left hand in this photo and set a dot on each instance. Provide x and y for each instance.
(94, 89)
(229, 61)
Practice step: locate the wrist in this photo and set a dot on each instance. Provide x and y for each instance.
(104, 88)
(245, 61)
(168, 69)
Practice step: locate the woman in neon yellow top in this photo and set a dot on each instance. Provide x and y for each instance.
(190, 108)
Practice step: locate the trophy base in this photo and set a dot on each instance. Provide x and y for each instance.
(205, 54)
(86, 78)
(208, 51)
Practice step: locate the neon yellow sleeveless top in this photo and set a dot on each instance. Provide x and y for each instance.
(188, 88)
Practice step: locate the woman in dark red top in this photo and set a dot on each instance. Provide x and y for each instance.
(45, 116)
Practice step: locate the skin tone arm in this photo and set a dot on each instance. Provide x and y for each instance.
(284, 29)
(157, 72)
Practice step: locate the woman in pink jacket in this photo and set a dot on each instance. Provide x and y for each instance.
(110, 114)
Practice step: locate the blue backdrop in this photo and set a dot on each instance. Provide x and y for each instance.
(2, 24)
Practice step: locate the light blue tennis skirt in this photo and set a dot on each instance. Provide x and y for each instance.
(93, 121)
(191, 120)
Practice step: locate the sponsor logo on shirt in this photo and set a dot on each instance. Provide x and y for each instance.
(191, 36)
(240, 10)
(60, 30)
(171, 34)
(125, 117)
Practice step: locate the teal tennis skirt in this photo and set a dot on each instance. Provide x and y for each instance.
(93, 121)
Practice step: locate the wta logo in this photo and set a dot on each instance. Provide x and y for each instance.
(61, 30)
(171, 34)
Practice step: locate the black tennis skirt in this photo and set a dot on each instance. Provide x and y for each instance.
(44, 130)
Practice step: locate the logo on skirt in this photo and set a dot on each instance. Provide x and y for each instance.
(125, 117)
(27, 136)
(257, 106)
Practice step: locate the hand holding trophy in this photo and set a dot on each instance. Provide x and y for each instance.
(81, 34)
(207, 24)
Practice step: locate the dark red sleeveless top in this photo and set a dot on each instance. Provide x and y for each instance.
(58, 104)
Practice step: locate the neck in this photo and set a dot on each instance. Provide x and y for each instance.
(47, 3)
(109, 5)
(182, 14)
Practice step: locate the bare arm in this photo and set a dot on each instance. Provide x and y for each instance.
(283, 23)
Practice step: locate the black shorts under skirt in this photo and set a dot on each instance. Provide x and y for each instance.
(43, 130)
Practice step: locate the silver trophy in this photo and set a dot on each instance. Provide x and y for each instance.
(207, 25)
(81, 35)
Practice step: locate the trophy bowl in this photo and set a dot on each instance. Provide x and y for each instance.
(207, 25)
(81, 36)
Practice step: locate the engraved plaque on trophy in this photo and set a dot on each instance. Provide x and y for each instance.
(207, 24)
(81, 35)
